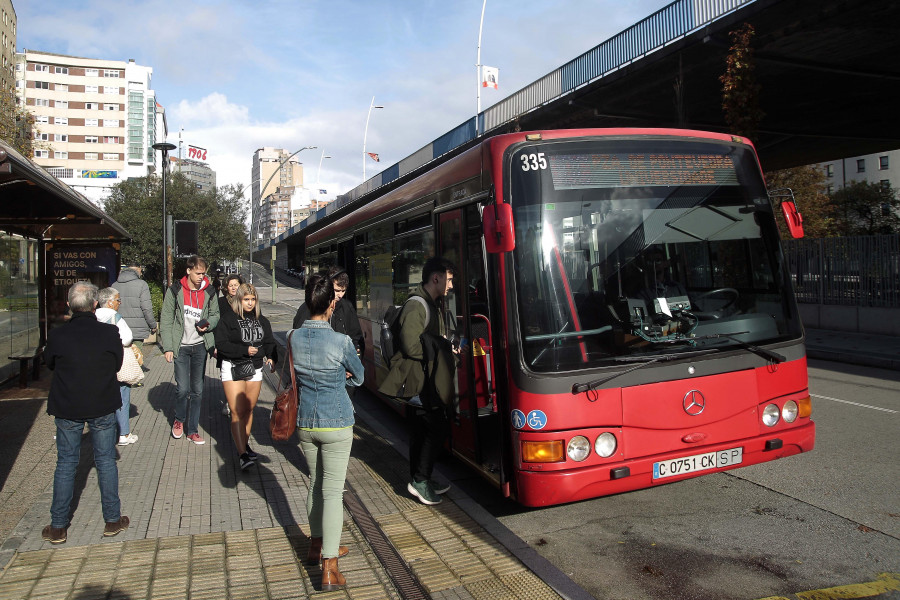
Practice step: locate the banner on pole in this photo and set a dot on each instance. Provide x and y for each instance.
(490, 77)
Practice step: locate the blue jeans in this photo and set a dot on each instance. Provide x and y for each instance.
(122, 414)
(190, 365)
(327, 454)
(68, 453)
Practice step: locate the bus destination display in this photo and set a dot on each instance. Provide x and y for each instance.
(579, 171)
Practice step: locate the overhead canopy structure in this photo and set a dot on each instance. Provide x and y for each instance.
(35, 204)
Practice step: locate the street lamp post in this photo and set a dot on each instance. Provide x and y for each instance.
(478, 69)
(261, 191)
(366, 134)
(165, 147)
(321, 158)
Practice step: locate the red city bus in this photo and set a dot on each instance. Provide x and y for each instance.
(624, 298)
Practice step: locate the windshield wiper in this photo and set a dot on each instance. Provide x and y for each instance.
(773, 356)
(578, 388)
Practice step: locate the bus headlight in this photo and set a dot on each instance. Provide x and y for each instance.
(579, 448)
(770, 415)
(605, 445)
(790, 411)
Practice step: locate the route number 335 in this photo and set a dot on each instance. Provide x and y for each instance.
(533, 162)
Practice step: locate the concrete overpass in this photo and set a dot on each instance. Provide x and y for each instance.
(829, 72)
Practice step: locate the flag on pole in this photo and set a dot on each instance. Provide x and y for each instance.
(373, 156)
(490, 77)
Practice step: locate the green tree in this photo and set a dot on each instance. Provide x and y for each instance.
(740, 91)
(16, 125)
(863, 208)
(809, 188)
(136, 204)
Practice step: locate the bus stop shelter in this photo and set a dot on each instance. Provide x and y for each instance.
(50, 237)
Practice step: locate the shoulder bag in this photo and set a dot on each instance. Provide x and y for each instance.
(242, 370)
(130, 372)
(284, 412)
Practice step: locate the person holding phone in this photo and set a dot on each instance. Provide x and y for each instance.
(189, 315)
(245, 343)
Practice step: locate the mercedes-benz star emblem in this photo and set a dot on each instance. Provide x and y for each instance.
(694, 403)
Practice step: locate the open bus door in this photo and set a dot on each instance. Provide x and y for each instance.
(475, 424)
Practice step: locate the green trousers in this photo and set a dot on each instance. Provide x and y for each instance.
(327, 454)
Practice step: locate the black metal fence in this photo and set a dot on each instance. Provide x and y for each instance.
(849, 271)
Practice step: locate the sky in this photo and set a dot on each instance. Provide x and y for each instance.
(238, 75)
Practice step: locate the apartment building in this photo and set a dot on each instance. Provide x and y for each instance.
(883, 168)
(198, 173)
(7, 45)
(271, 207)
(97, 119)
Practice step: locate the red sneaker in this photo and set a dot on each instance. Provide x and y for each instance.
(177, 429)
(195, 437)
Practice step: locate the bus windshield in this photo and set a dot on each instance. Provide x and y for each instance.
(627, 246)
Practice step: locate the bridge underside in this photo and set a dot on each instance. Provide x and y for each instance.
(828, 70)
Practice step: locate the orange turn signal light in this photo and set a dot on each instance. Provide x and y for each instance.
(804, 407)
(543, 451)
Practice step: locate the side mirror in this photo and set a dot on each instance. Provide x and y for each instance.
(499, 232)
(793, 219)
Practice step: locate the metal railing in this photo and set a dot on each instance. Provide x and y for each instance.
(849, 271)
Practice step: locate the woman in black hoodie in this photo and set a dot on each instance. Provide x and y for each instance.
(243, 335)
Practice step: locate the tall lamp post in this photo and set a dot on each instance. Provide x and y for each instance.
(478, 66)
(261, 191)
(366, 134)
(321, 158)
(165, 147)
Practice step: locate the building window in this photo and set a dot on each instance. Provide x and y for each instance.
(107, 156)
(42, 85)
(91, 139)
(861, 165)
(110, 107)
(61, 120)
(44, 137)
(829, 170)
(92, 122)
(111, 139)
(111, 73)
(42, 154)
(61, 104)
(829, 189)
(91, 106)
(91, 89)
(886, 184)
(108, 89)
(90, 156)
(110, 122)
(42, 119)
(42, 68)
(42, 102)
(62, 87)
(62, 70)
(61, 155)
(92, 72)
(60, 137)
(883, 164)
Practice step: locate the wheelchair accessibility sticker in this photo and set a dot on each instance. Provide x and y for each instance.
(536, 419)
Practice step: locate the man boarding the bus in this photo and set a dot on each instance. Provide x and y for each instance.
(423, 370)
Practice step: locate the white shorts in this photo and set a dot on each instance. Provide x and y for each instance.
(226, 373)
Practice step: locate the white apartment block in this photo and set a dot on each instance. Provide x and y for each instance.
(883, 168)
(197, 172)
(95, 120)
(271, 207)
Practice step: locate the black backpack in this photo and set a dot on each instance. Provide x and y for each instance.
(390, 328)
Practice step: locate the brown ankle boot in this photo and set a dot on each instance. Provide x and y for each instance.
(314, 556)
(331, 575)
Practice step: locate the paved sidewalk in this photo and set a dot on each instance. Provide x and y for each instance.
(202, 528)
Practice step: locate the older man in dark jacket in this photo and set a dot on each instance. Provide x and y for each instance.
(85, 356)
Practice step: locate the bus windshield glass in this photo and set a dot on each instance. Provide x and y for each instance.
(630, 247)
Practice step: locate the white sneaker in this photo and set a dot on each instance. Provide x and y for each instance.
(124, 440)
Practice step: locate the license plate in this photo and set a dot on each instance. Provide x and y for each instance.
(698, 462)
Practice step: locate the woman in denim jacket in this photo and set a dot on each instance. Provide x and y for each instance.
(325, 362)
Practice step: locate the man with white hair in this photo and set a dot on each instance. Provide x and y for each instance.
(84, 355)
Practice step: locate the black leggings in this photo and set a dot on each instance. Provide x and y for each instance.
(428, 428)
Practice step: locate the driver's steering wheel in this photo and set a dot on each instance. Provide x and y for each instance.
(732, 293)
